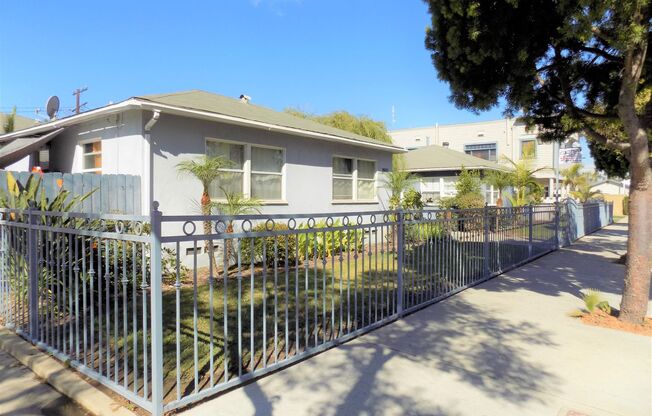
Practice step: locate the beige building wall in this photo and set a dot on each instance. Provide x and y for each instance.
(508, 135)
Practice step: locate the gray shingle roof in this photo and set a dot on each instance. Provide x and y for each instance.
(441, 158)
(219, 104)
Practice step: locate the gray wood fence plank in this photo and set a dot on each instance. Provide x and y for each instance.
(113, 193)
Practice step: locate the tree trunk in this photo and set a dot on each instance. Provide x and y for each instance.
(636, 290)
(206, 210)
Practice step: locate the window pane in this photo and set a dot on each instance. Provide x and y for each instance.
(266, 186)
(528, 149)
(230, 181)
(366, 169)
(342, 166)
(92, 161)
(232, 152)
(266, 160)
(342, 188)
(93, 147)
(366, 190)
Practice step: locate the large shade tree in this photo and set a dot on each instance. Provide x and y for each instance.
(567, 66)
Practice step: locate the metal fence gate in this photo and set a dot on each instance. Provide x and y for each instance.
(167, 310)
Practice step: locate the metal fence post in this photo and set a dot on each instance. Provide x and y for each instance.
(530, 226)
(33, 272)
(400, 248)
(157, 313)
(485, 247)
(557, 213)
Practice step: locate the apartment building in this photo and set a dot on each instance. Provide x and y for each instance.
(489, 140)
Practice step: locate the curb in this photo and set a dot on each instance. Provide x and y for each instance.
(64, 380)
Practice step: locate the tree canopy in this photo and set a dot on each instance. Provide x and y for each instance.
(567, 66)
(362, 125)
(556, 62)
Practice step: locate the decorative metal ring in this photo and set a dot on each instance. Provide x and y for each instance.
(191, 230)
(292, 224)
(311, 225)
(329, 221)
(219, 224)
(372, 218)
(119, 227)
(138, 228)
(359, 220)
(345, 220)
(102, 225)
(429, 216)
(246, 229)
(270, 224)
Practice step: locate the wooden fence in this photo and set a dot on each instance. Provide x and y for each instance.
(114, 194)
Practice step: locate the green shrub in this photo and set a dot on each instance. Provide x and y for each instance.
(267, 243)
(412, 199)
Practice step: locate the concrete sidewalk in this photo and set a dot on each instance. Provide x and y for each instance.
(506, 347)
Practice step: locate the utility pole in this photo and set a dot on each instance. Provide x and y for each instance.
(77, 93)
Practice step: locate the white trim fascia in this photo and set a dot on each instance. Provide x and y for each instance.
(455, 168)
(77, 118)
(266, 126)
(136, 103)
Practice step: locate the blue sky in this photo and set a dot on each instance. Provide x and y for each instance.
(363, 56)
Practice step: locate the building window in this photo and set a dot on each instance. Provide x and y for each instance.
(445, 144)
(485, 151)
(92, 156)
(254, 171)
(266, 173)
(354, 179)
(528, 149)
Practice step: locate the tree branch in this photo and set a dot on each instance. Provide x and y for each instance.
(601, 53)
(602, 139)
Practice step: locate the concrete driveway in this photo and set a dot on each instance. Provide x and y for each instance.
(506, 347)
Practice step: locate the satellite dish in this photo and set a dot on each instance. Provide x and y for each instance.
(52, 107)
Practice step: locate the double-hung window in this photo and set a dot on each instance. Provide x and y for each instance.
(354, 179)
(254, 171)
(92, 156)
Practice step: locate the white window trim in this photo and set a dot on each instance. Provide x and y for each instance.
(80, 146)
(483, 143)
(354, 194)
(247, 171)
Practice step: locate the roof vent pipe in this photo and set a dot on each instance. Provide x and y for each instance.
(245, 98)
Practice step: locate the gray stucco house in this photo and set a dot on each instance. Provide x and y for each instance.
(291, 164)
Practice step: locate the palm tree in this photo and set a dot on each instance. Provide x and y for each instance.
(397, 181)
(206, 169)
(583, 187)
(235, 204)
(572, 175)
(524, 182)
(500, 180)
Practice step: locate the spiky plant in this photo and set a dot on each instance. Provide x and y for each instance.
(524, 182)
(396, 182)
(10, 122)
(593, 299)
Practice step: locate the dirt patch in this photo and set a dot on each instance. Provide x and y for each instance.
(601, 319)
